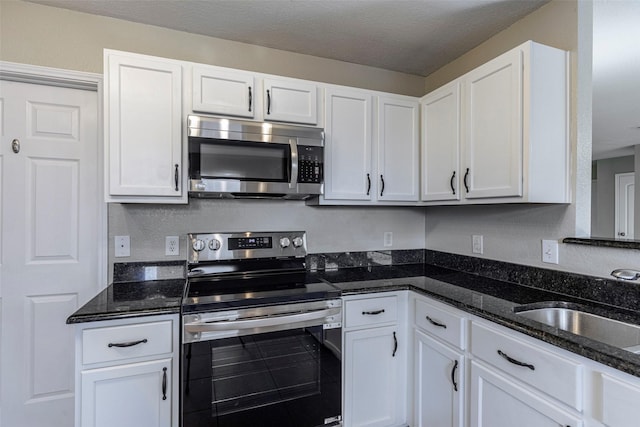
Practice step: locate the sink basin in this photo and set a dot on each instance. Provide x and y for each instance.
(609, 331)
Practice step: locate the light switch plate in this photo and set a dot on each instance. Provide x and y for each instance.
(550, 251)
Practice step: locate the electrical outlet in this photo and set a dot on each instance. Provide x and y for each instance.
(172, 245)
(477, 246)
(122, 246)
(550, 251)
(388, 239)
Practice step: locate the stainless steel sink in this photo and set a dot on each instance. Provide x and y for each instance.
(609, 331)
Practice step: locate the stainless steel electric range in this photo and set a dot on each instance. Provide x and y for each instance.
(261, 340)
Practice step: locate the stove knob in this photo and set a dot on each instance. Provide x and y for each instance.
(297, 242)
(214, 244)
(198, 245)
(285, 242)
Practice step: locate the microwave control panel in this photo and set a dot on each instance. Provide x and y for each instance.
(310, 164)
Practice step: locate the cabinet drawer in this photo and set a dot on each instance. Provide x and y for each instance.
(125, 342)
(546, 371)
(440, 323)
(371, 311)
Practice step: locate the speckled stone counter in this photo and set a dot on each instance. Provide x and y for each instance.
(494, 300)
(139, 289)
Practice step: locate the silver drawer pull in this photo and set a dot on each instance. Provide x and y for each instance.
(516, 362)
(434, 323)
(372, 313)
(127, 344)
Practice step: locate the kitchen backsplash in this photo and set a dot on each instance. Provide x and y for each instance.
(336, 260)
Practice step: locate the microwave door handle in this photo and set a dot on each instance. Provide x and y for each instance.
(293, 144)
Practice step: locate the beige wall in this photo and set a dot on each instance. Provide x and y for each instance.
(59, 38)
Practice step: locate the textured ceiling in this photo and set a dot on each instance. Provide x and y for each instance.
(415, 37)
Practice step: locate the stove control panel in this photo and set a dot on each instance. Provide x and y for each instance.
(247, 245)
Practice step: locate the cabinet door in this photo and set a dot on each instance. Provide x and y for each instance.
(439, 384)
(398, 159)
(348, 145)
(143, 105)
(441, 144)
(492, 96)
(132, 395)
(620, 403)
(497, 401)
(372, 387)
(223, 92)
(290, 101)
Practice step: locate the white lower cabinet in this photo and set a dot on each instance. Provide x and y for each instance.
(439, 383)
(499, 401)
(620, 402)
(375, 362)
(127, 372)
(134, 394)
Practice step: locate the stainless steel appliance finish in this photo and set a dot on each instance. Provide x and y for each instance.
(243, 159)
(261, 340)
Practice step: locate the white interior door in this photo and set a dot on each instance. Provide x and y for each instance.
(625, 185)
(50, 209)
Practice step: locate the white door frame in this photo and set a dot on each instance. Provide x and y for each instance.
(617, 225)
(56, 77)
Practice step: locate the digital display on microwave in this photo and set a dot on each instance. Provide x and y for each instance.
(236, 243)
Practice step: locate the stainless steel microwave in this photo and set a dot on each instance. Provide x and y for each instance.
(242, 159)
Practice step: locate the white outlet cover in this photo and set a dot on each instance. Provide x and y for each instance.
(172, 246)
(122, 246)
(388, 239)
(477, 245)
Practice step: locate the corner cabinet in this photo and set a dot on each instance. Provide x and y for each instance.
(371, 148)
(499, 134)
(375, 359)
(143, 129)
(127, 373)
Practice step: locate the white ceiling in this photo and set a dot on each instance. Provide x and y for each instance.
(415, 37)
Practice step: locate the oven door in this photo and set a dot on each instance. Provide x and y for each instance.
(279, 374)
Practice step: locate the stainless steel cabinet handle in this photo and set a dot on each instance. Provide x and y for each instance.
(434, 323)
(164, 383)
(15, 146)
(127, 344)
(177, 177)
(516, 362)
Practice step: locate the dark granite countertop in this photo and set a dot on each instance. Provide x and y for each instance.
(132, 299)
(493, 300)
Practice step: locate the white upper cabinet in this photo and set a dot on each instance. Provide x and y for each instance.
(227, 92)
(510, 123)
(371, 152)
(348, 145)
(441, 144)
(143, 129)
(397, 149)
(290, 101)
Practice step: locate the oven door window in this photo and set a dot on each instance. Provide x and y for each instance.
(284, 378)
(245, 161)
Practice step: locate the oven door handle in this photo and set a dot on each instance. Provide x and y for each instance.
(282, 319)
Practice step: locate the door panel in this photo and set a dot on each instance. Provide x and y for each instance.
(50, 205)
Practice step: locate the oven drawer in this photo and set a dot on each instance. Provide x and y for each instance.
(126, 342)
(371, 311)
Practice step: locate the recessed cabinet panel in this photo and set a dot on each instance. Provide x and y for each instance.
(290, 101)
(620, 403)
(493, 128)
(398, 159)
(441, 144)
(223, 92)
(348, 145)
(143, 126)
